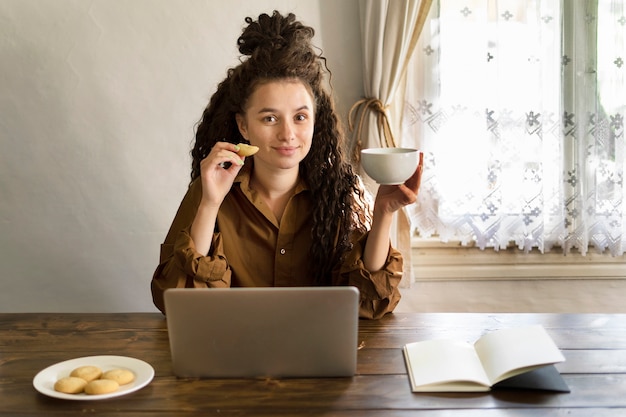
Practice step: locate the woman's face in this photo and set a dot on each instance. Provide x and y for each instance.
(279, 119)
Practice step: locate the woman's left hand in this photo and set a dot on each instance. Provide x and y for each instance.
(391, 198)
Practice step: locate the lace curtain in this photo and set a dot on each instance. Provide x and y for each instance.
(519, 108)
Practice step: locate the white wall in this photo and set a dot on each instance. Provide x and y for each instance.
(98, 102)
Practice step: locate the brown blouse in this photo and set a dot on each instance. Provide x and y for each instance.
(251, 248)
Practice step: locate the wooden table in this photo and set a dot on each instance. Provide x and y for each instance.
(593, 344)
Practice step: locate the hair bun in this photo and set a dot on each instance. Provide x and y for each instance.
(272, 33)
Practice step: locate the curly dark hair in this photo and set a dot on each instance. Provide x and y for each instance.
(279, 47)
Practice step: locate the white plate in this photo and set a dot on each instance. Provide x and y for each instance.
(44, 381)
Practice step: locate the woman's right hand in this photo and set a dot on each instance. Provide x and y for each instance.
(217, 179)
(218, 171)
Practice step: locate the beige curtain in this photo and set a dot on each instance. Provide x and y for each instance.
(389, 32)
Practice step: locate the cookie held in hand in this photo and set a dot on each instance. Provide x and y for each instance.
(247, 150)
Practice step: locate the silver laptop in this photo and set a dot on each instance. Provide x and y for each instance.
(263, 332)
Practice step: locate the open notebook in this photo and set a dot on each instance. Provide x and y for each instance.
(263, 332)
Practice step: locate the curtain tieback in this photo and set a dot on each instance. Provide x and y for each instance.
(358, 111)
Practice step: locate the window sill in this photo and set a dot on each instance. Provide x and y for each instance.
(435, 260)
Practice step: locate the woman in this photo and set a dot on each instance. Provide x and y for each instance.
(295, 213)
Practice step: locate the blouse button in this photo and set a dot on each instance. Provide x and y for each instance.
(282, 251)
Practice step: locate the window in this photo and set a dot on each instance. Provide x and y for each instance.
(518, 106)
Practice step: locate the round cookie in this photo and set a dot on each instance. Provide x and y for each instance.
(87, 372)
(101, 386)
(70, 385)
(121, 376)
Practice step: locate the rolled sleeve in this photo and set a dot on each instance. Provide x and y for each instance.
(379, 292)
(211, 269)
(183, 267)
